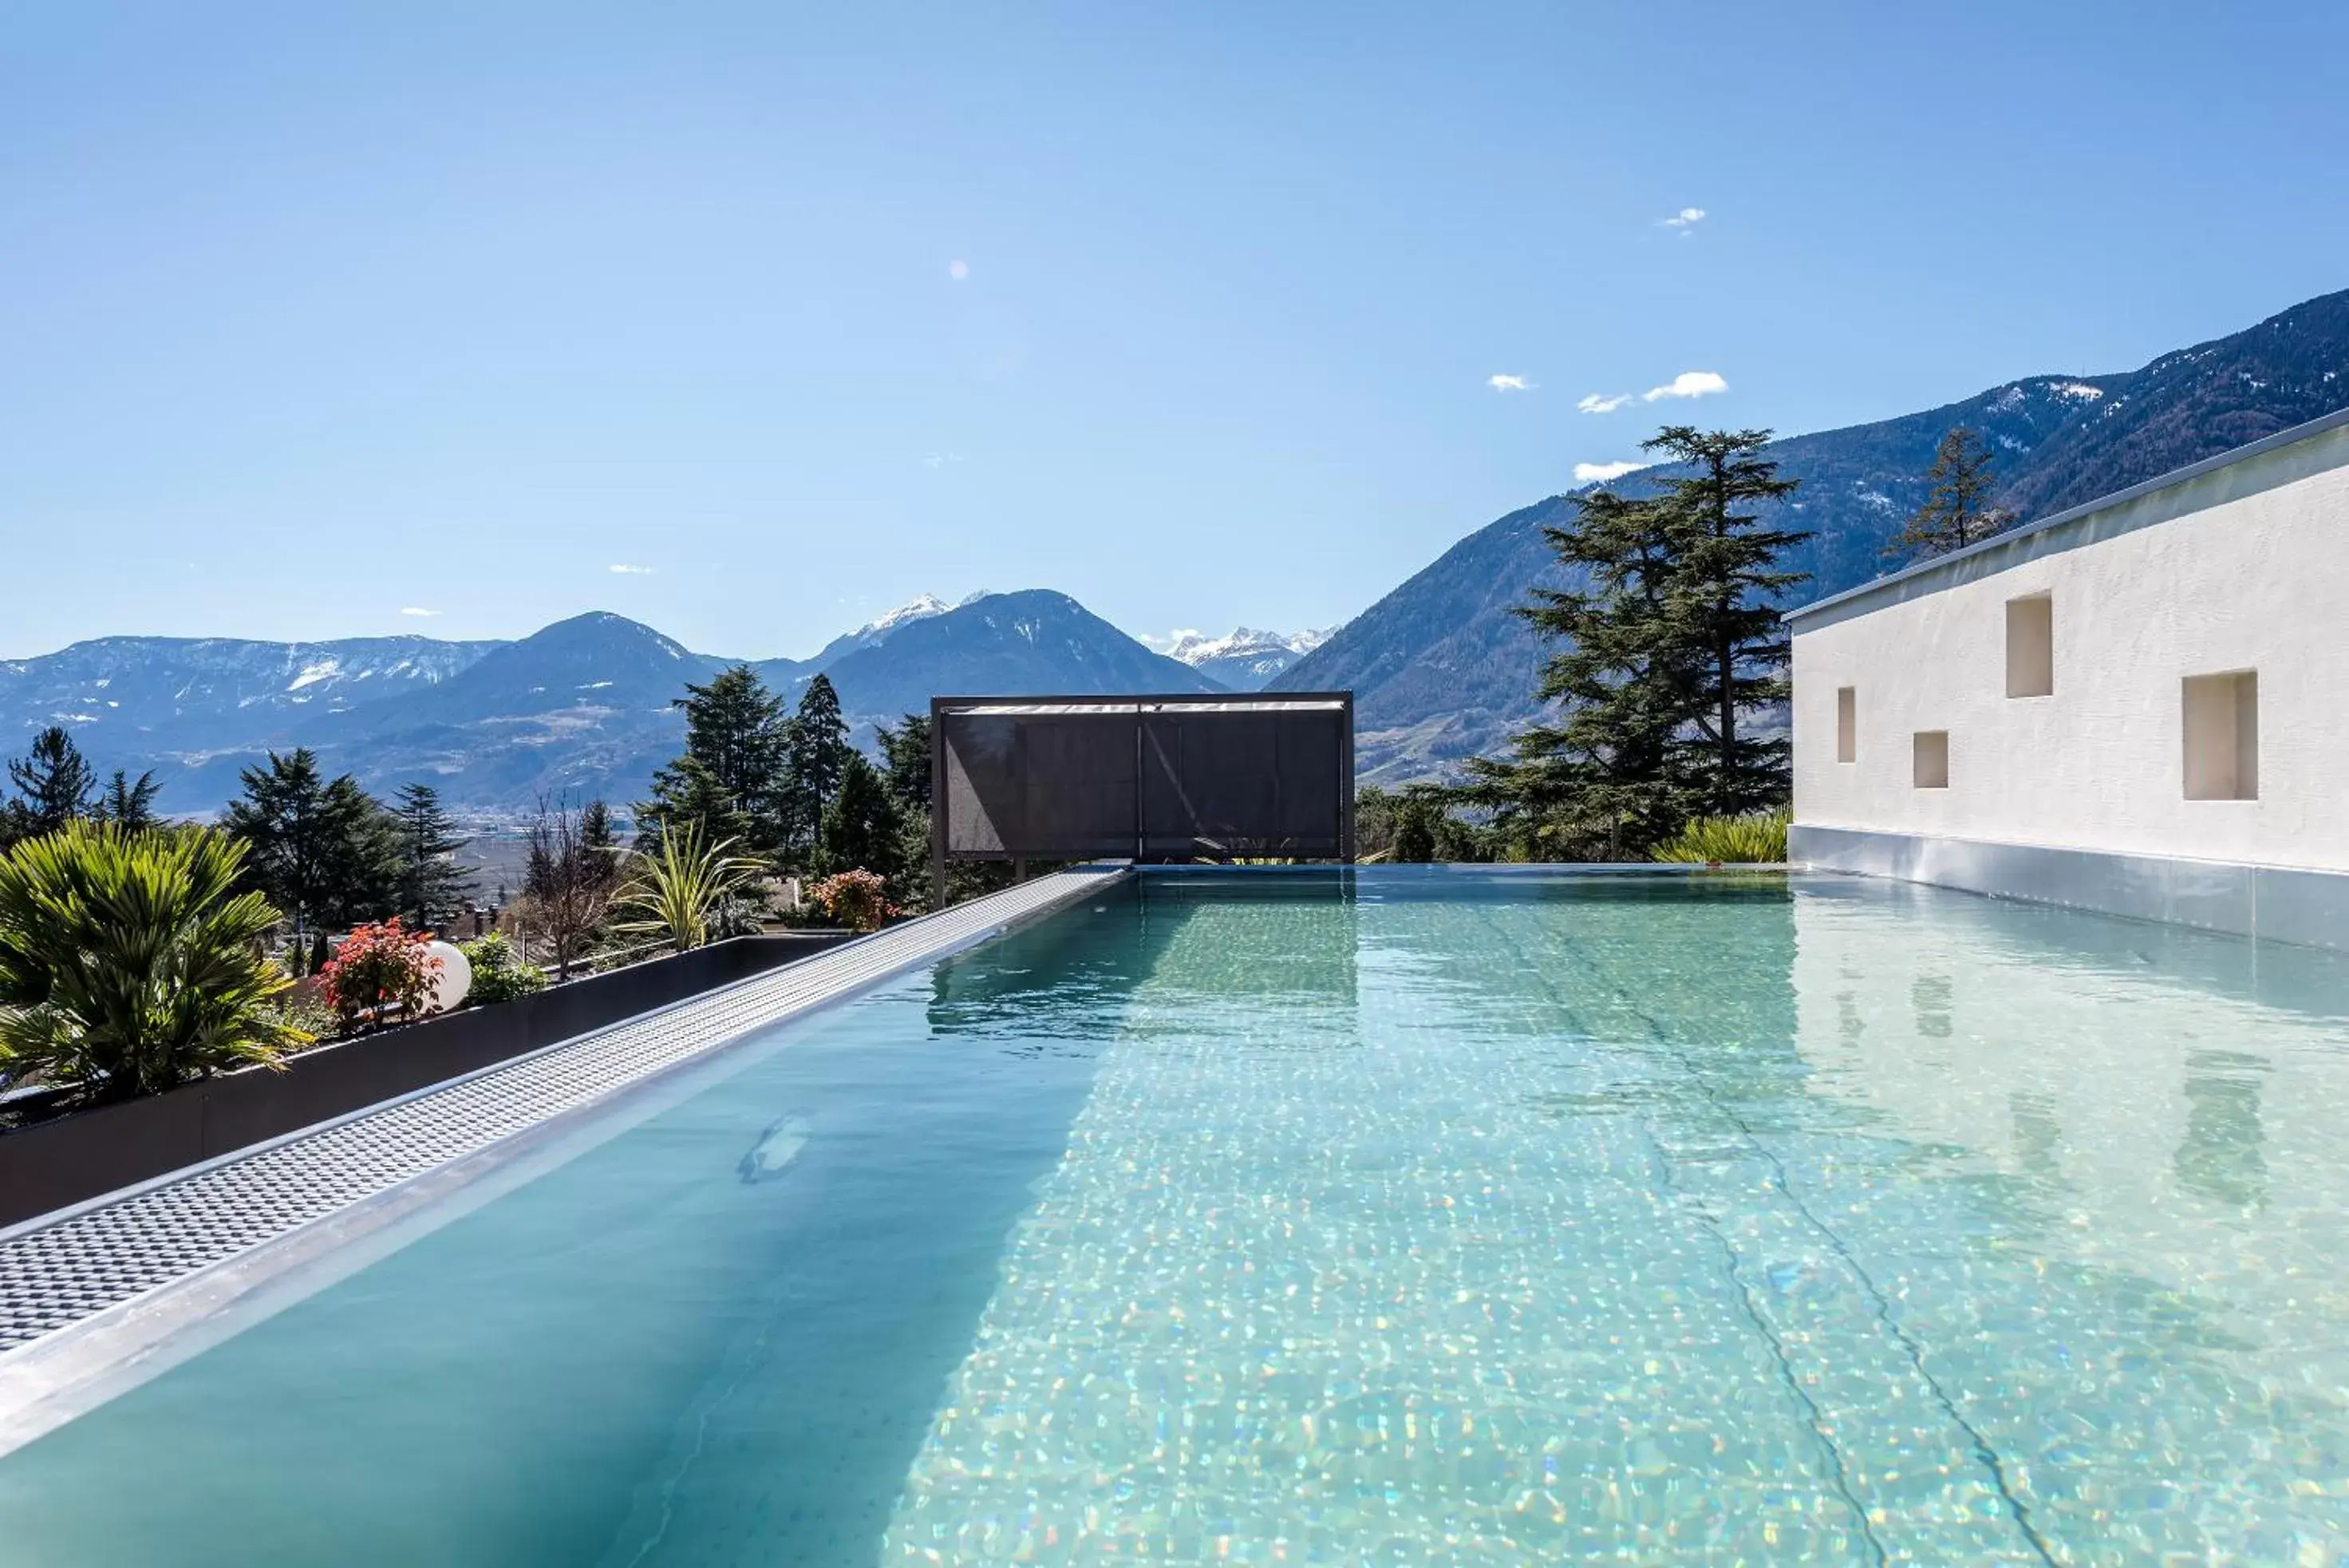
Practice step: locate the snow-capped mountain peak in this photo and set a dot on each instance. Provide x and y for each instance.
(1245, 659)
(1196, 648)
(921, 607)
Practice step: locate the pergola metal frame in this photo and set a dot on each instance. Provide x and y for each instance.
(1141, 707)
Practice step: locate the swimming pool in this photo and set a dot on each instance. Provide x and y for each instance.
(1391, 1217)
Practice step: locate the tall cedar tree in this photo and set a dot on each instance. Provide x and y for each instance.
(1722, 606)
(129, 802)
(1957, 511)
(325, 853)
(1603, 781)
(53, 786)
(730, 772)
(862, 826)
(818, 755)
(432, 886)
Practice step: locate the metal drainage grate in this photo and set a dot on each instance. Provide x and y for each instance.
(100, 1257)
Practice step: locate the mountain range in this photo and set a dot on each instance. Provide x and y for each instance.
(1441, 669)
(585, 705)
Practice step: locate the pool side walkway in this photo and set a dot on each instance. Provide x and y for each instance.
(111, 1255)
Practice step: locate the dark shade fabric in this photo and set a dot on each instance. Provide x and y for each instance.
(1147, 779)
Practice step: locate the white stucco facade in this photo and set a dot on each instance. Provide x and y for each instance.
(2237, 568)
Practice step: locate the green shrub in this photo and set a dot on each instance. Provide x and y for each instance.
(307, 1014)
(499, 973)
(1759, 838)
(129, 962)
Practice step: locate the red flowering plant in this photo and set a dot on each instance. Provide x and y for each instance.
(857, 899)
(376, 969)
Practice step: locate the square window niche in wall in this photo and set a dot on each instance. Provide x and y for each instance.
(2031, 647)
(1929, 761)
(1846, 724)
(2221, 716)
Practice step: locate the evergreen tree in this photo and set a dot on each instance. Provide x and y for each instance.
(1958, 510)
(53, 786)
(688, 791)
(596, 837)
(862, 826)
(1670, 638)
(432, 886)
(731, 773)
(1727, 588)
(129, 802)
(1414, 832)
(906, 761)
(323, 851)
(1602, 780)
(818, 753)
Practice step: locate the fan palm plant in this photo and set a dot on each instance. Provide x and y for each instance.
(676, 890)
(129, 962)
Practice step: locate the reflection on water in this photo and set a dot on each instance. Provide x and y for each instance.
(2219, 1156)
(1410, 1217)
(2122, 1217)
(1856, 1225)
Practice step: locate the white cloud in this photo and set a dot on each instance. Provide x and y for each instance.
(1687, 384)
(631, 571)
(940, 459)
(1595, 404)
(1157, 644)
(1684, 219)
(1509, 383)
(1599, 472)
(416, 610)
(958, 269)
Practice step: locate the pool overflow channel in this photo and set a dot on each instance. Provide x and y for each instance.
(95, 1265)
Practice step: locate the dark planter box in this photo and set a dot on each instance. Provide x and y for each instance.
(56, 1163)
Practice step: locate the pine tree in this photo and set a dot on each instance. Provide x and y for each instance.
(731, 773)
(1603, 780)
(862, 826)
(53, 786)
(129, 802)
(1957, 510)
(432, 886)
(818, 752)
(596, 837)
(323, 851)
(1726, 588)
(906, 761)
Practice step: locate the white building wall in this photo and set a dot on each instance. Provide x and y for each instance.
(2242, 569)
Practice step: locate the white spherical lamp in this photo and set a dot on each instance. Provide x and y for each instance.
(447, 988)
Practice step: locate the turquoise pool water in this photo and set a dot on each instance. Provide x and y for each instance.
(1452, 1219)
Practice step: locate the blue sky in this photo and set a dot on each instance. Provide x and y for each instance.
(315, 316)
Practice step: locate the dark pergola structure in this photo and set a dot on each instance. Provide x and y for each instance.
(1146, 778)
